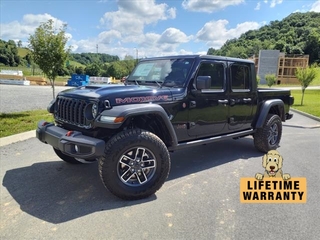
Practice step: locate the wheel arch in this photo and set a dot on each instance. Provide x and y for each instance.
(274, 106)
(151, 117)
(156, 124)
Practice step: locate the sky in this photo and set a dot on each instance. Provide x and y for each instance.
(145, 28)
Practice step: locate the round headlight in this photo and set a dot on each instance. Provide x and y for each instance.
(94, 110)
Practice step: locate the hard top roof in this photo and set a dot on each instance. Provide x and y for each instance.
(210, 57)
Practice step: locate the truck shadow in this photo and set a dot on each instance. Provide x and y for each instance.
(196, 159)
(57, 192)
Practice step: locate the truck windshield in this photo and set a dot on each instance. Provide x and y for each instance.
(164, 72)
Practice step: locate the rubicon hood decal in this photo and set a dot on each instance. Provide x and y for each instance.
(141, 99)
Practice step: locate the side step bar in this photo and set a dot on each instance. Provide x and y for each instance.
(211, 139)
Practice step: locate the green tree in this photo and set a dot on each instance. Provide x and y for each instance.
(258, 80)
(9, 53)
(313, 46)
(79, 70)
(305, 77)
(117, 70)
(238, 52)
(271, 79)
(296, 34)
(48, 48)
(128, 57)
(93, 69)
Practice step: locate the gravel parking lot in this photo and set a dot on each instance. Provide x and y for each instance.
(27, 97)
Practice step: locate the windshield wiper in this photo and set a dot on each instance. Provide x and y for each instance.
(134, 80)
(159, 83)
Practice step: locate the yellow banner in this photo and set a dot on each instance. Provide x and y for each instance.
(274, 190)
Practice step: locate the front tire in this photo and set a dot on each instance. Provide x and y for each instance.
(268, 137)
(135, 165)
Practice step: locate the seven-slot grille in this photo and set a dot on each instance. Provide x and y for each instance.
(71, 111)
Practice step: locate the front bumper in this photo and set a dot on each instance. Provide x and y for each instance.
(71, 143)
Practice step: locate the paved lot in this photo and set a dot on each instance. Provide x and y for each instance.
(15, 98)
(44, 198)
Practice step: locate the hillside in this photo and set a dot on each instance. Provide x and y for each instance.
(299, 33)
(22, 52)
(12, 55)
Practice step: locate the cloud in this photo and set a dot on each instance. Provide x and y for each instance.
(128, 24)
(173, 36)
(215, 33)
(29, 23)
(160, 44)
(258, 6)
(108, 37)
(275, 2)
(132, 16)
(315, 6)
(208, 5)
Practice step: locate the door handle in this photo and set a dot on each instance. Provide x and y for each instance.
(232, 102)
(246, 100)
(192, 104)
(224, 101)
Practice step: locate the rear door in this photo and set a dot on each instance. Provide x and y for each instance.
(241, 95)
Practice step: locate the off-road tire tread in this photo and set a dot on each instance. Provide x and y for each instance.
(114, 147)
(261, 135)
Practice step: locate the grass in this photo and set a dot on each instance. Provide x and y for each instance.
(13, 123)
(316, 81)
(76, 64)
(22, 52)
(310, 103)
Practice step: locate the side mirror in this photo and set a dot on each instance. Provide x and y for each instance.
(203, 82)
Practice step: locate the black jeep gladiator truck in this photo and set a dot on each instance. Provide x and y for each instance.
(165, 104)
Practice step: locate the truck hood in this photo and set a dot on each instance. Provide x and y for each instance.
(119, 94)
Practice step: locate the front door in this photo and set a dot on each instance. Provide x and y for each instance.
(208, 108)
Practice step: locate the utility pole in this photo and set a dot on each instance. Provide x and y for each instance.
(137, 55)
(97, 48)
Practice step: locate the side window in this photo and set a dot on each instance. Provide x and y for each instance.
(216, 72)
(240, 75)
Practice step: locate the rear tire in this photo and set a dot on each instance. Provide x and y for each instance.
(135, 165)
(268, 137)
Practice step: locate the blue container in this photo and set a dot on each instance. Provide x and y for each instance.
(78, 80)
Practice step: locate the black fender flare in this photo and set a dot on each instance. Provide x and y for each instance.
(265, 109)
(131, 110)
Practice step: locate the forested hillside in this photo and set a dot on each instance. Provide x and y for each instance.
(88, 58)
(299, 33)
(93, 64)
(9, 54)
(13, 55)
